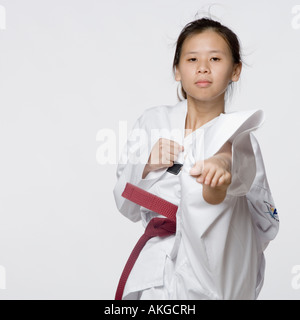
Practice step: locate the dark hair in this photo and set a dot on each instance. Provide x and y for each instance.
(200, 25)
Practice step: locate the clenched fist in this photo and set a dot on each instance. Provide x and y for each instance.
(215, 175)
(163, 155)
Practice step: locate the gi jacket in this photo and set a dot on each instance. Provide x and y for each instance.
(217, 251)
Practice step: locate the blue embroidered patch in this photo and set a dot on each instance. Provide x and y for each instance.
(271, 210)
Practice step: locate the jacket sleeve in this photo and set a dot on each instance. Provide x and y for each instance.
(260, 201)
(133, 159)
(243, 169)
(249, 179)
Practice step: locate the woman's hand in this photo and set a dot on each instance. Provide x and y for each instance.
(163, 155)
(215, 175)
(213, 172)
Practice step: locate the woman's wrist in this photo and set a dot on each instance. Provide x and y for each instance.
(226, 159)
(214, 195)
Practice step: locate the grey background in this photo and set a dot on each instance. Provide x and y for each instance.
(71, 68)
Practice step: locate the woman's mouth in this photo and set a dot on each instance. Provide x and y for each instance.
(203, 83)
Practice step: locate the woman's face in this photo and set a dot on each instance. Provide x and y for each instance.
(206, 66)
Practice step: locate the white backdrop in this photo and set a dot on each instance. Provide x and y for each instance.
(69, 69)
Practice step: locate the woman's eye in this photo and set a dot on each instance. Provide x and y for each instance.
(192, 59)
(215, 59)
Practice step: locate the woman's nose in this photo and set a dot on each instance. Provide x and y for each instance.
(202, 68)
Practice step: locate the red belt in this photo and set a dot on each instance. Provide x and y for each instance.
(157, 227)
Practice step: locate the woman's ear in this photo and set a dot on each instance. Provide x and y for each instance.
(177, 75)
(236, 72)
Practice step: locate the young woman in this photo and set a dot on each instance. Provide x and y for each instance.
(196, 179)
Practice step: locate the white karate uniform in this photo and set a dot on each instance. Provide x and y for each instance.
(217, 251)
